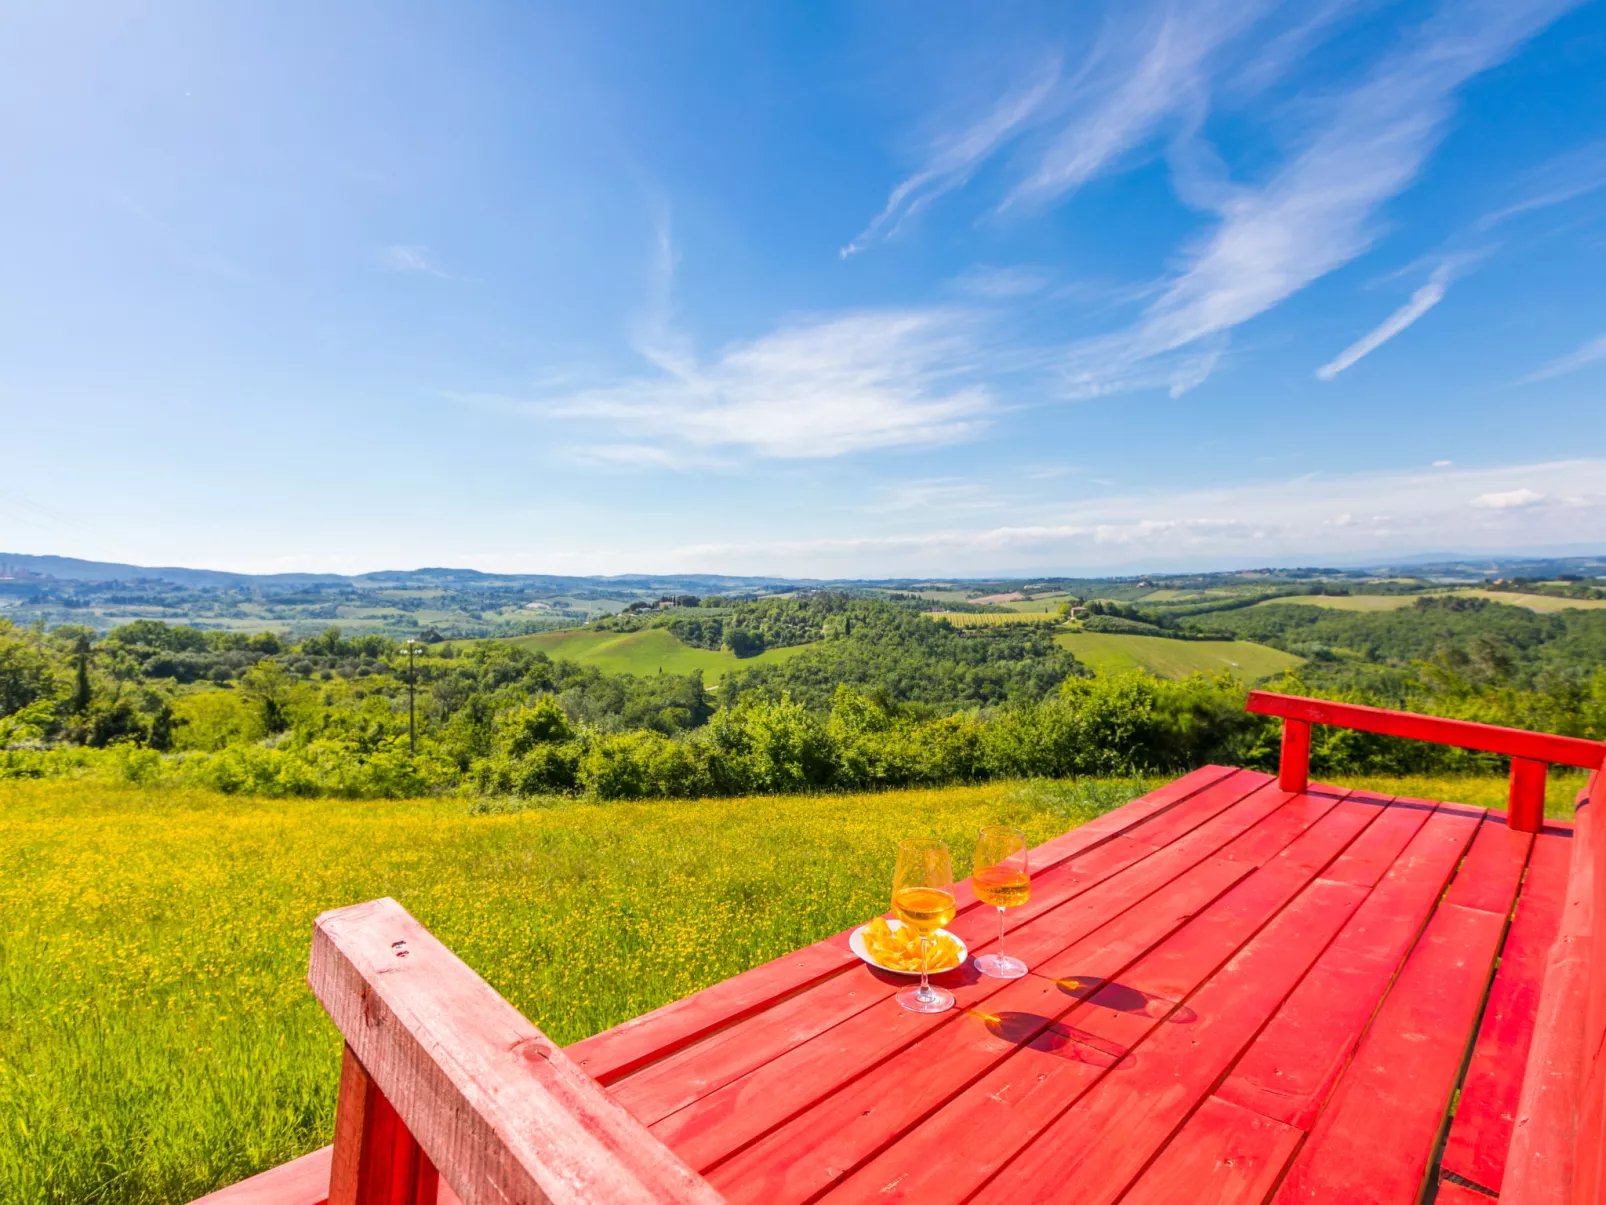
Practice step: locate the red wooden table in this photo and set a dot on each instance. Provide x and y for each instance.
(1238, 993)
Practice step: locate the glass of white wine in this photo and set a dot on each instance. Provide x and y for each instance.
(923, 899)
(1000, 877)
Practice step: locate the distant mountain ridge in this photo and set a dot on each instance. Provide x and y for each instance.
(74, 569)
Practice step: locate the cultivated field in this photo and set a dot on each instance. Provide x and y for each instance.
(989, 619)
(157, 1039)
(1543, 603)
(648, 651)
(1113, 653)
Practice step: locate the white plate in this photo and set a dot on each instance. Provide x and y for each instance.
(856, 944)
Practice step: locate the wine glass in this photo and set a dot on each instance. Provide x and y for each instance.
(923, 898)
(1000, 878)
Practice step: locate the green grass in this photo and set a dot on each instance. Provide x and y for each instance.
(1115, 652)
(648, 651)
(1345, 602)
(157, 1039)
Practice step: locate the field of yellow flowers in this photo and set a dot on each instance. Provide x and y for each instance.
(157, 1040)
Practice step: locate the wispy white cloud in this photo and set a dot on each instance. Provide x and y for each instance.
(1423, 300)
(1001, 283)
(1508, 499)
(1144, 70)
(953, 159)
(1314, 518)
(1565, 178)
(813, 389)
(1320, 210)
(1592, 352)
(410, 257)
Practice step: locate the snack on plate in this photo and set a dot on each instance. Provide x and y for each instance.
(899, 949)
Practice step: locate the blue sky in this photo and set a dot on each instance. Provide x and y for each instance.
(814, 289)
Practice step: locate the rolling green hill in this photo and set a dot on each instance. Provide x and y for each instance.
(1175, 658)
(645, 652)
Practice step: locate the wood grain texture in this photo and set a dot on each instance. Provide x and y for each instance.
(1486, 1110)
(497, 1108)
(1224, 1155)
(789, 1087)
(1463, 734)
(1293, 763)
(1294, 1061)
(1525, 806)
(303, 1181)
(1543, 1133)
(1451, 1193)
(1107, 1138)
(1375, 1138)
(939, 1161)
(376, 1159)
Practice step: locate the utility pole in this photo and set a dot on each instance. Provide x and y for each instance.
(412, 680)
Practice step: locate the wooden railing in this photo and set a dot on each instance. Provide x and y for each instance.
(1532, 753)
(444, 1079)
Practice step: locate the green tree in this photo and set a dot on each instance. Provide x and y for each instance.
(25, 671)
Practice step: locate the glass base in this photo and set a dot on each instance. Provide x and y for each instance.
(1000, 966)
(926, 1000)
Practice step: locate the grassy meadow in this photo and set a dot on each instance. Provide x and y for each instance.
(1112, 652)
(649, 651)
(157, 1039)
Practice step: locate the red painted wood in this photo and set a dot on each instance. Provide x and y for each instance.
(1161, 830)
(846, 1129)
(1274, 833)
(497, 1108)
(1375, 1138)
(1224, 1155)
(1373, 855)
(1106, 1139)
(1287, 1072)
(940, 1160)
(1463, 734)
(1293, 766)
(376, 1160)
(1487, 1107)
(1144, 870)
(303, 1181)
(718, 1125)
(616, 1052)
(1526, 799)
(1493, 868)
(1542, 1134)
(1451, 1193)
(682, 1077)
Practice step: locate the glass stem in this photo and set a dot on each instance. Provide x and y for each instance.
(1000, 933)
(925, 965)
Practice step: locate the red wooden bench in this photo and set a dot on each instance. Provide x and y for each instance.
(1244, 989)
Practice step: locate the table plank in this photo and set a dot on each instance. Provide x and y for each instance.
(941, 1159)
(1107, 1138)
(1485, 1112)
(680, 1078)
(1375, 1137)
(1493, 868)
(718, 1125)
(1153, 870)
(613, 1053)
(1287, 1072)
(1223, 1155)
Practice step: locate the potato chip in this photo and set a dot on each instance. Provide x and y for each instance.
(899, 949)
